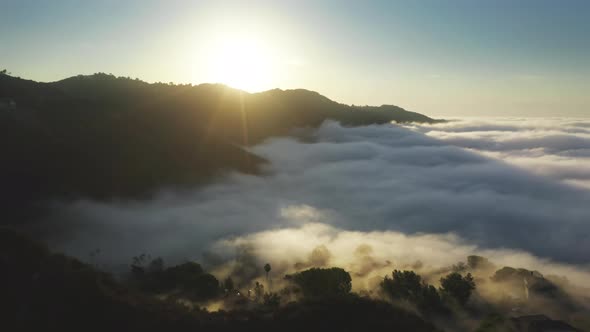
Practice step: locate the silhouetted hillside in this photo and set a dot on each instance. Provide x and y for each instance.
(100, 136)
(43, 291)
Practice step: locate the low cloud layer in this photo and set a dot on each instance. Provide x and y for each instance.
(558, 148)
(439, 191)
(368, 256)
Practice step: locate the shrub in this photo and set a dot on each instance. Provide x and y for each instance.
(317, 282)
(408, 286)
(457, 286)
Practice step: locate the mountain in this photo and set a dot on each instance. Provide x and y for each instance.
(104, 137)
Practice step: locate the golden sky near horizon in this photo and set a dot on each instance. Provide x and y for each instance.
(466, 59)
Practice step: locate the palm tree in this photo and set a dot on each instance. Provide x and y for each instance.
(267, 269)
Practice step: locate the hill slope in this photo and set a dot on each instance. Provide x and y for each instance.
(46, 291)
(101, 137)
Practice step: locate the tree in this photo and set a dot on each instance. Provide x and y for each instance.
(430, 300)
(185, 272)
(156, 265)
(228, 284)
(404, 285)
(317, 282)
(188, 279)
(409, 286)
(267, 269)
(203, 287)
(191, 280)
(4, 72)
(479, 262)
(258, 291)
(271, 300)
(457, 286)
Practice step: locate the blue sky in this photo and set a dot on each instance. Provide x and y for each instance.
(462, 57)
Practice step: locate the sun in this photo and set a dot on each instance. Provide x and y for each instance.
(242, 63)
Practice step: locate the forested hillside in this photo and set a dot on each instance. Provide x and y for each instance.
(104, 137)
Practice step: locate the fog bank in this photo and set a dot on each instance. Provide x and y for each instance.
(503, 188)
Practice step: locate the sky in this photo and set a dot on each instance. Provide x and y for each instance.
(441, 58)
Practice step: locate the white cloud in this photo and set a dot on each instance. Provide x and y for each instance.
(378, 181)
(554, 147)
(374, 254)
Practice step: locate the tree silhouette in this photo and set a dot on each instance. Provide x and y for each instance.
(267, 270)
(404, 285)
(272, 300)
(457, 286)
(317, 282)
(258, 291)
(228, 284)
(409, 286)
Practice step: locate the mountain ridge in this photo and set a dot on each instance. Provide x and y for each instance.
(103, 137)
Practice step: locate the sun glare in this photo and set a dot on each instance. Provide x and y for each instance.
(244, 64)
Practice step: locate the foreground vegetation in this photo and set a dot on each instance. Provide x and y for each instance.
(44, 290)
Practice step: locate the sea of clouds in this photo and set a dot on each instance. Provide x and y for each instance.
(514, 190)
(556, 147)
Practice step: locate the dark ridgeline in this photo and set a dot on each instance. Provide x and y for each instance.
(100, 136)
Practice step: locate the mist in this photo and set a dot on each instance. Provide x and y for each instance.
(417, 194)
